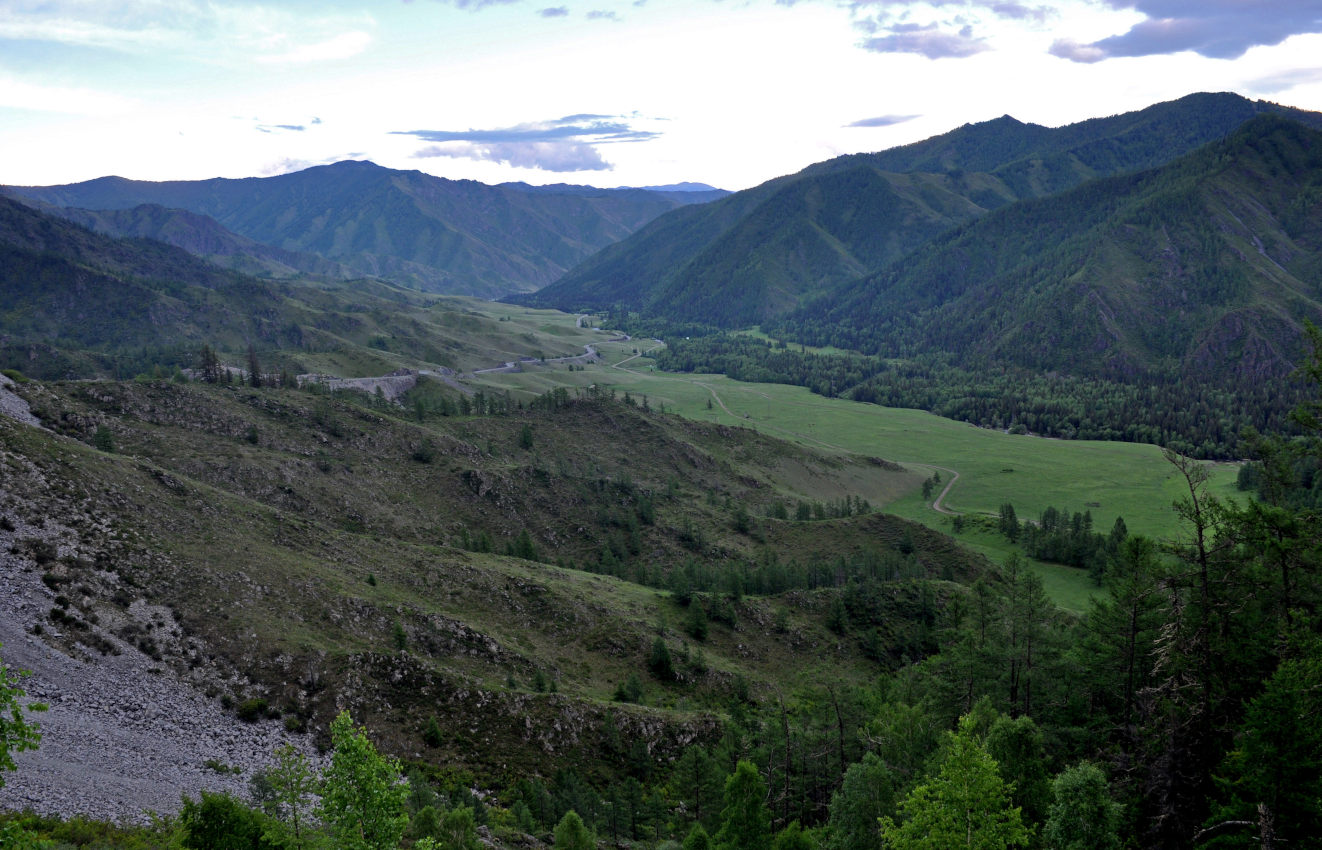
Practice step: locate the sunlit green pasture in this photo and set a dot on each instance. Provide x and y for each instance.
(1109, 479)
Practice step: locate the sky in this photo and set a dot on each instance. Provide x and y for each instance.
(729, 93)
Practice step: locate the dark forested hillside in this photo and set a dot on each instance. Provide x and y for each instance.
(74, 303)
(1205, 268)
(455, 237)
(758, 254)
(204, 237)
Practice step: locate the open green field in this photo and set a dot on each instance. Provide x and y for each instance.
(1109, 479)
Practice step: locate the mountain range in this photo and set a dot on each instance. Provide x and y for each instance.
(1206, 266)
(78, 303)
(761, 253)
(357, 219)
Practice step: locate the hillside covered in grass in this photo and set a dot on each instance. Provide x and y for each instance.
(332, 553)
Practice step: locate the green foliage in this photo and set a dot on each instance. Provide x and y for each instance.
(294, 784)
(431, 735)
(458, 830)
(745, 819)
(1276, 765)
(525, 437)
(523, 546)
(695, 621)
(251, 710)
(1082, 816)
(362, 801)
(571, 834)
(1018, 749)
(220, 822)
(866, 795)
(425, 452)
(698, 781)
(1205, 418)
(17, 732)
(659, 661)
(697, 839)
(630, 690)
(793, 837)
(103, 439)
(966, 804)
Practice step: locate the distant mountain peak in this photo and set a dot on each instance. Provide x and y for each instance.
(680, 187)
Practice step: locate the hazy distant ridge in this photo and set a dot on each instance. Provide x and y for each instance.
(438, 235)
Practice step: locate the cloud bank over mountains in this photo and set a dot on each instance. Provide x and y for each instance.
(559, 145)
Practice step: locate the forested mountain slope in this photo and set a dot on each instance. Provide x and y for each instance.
(454, 237)
(74, 303)
(757, 254)
(1204, 268)
(203, 237)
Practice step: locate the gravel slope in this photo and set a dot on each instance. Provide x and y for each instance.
(123, 733)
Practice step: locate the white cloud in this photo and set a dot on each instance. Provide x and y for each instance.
(559, 156)
(17, 94)
(206, 31)
(342, 46)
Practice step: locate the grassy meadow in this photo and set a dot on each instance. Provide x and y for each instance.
(1109, 479)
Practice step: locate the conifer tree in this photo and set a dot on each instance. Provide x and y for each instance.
(745, 820)
(572, 834)
(965, 805)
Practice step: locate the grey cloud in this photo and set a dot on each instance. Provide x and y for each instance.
(592, 127)
(316, 120)
(601, 15)
(555, 12)
(881, 121)
(544, 156)
(1020, 12)
(479, 4)
(295, 128)
(564, 144)
(928, 41)
(1218, 29)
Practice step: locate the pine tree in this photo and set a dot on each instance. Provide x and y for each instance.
(254, 367)
(745, 820)
(965, 805)
(866, 795)
(572, 834)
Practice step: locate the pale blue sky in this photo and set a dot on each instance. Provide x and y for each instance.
(726, 92)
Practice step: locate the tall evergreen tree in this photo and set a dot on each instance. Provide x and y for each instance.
(745, 820)
(965, 805)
